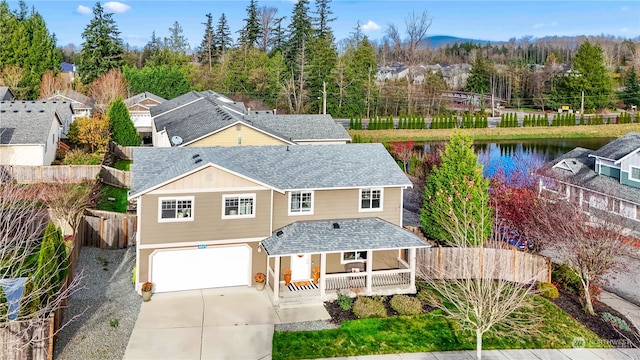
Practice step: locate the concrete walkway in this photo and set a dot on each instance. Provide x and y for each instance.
(543, 354)
(626, 308)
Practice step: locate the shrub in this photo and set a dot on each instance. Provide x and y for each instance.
(548, 290)
(344, 301)
(406, 305)
(615, 321)
(366, 307)
(79, 157)
(429, 297)
(566, 278)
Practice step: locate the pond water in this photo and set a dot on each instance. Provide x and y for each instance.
(529, 154)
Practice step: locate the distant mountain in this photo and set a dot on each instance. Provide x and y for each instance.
(437, 41)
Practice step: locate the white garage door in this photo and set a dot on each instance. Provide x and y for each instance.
(175, 270)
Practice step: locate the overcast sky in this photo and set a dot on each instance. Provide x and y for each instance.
(484, 20)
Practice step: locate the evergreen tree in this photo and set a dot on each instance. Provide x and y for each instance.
(478, 81)
(456, 187)
(207, 46)
(177, 45)
(300, 33)
(165, 81)
(122, 129)
(53, 263)
(251, 31)
(589, 74)
(323, 59)
(102, 48)
(154, 53)
(631, 94)
(323, 18)
(223, 40)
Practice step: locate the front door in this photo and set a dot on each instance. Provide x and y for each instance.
(300, 267)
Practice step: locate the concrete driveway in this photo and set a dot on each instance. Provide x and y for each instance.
(227, 323)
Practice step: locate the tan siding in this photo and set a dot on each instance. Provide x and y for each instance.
(143, 265)
(209, 178)
(229, 137)
(207, 221)
(137, 107)
(149, 102)
(337, 204)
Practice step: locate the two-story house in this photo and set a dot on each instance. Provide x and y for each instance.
(607, 179)
(30, 130)
(139, 109)
(210, 119)
(214, 216)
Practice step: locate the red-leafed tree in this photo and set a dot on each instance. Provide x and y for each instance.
(403, 151)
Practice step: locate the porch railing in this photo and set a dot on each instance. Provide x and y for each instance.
(380, 278)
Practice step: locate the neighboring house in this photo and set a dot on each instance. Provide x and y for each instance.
(214, 216)
(69, 71)
(83, 106)
(139, 109)
(29, 132)
(210, 119)
(6, 94)
(607, 179)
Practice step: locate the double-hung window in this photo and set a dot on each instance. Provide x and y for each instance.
(175, 208)
(634, 173)
(239, 205)
(371, 199)
(300, 202)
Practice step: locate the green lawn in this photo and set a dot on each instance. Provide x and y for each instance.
(120, 196)
(425, 333)
(122, 165)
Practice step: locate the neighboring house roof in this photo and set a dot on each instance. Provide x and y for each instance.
(620, 147)
(80, 101)
(67, 67)
(348, 235)
(195, 115)
(577, 167)
(26, 122)
(280, 167)
(6, 94)
(300, 127)
(143, 96)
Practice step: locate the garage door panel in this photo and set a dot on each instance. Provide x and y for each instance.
(190, 269)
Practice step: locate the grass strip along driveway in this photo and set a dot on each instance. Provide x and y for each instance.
(426, 333)
(581, 131)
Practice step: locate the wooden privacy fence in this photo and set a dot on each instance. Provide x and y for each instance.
(115, 177)
(55, 173)
(34, 338)
(107, 230)
(463, 263)
(123, 152)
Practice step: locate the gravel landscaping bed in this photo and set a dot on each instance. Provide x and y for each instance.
(105, 308)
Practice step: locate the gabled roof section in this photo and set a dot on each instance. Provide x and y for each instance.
(143, 96)
(300, 127)
(619, 148)
(175, 103)
(27, 122)
(582, 173)
(280, 167)
(339, 235)
(75, 97)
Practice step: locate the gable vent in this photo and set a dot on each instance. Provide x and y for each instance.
(336, 226)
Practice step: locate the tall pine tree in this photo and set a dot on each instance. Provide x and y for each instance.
(207, 46)
(223, 40)
(122, 129)
(250, 33)
(631, 93)
(102, 48)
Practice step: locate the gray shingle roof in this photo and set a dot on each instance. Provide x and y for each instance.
(6, 94)
(583, 174)
(352, 235)
(142, 96)
(620, 147)
(300, 127)
(213, 112)
(80, 101)
(281, 167)
(26, 122)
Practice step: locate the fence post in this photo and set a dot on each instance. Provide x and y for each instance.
(124, 237)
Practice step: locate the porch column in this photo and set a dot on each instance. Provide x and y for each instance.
(369, 269)
(412, 266)
(276, 280)
(323, 274)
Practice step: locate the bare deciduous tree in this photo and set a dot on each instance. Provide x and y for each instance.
(590, 246)
(268, 20)
(107, 88)
(481, 297)
(23, 219)
(70, 202)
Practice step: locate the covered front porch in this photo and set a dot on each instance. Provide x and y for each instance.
(319, 259)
